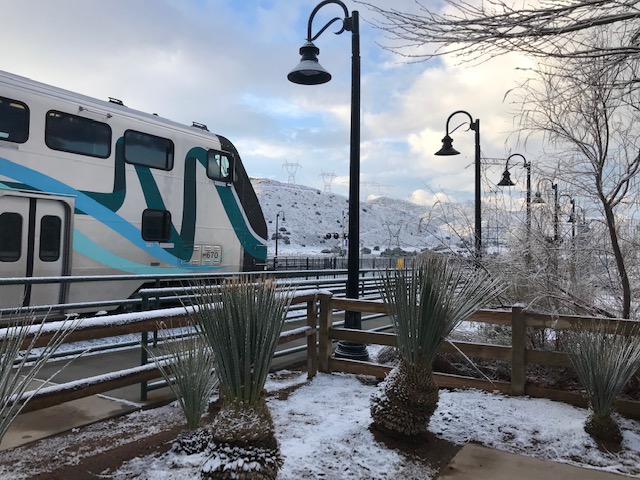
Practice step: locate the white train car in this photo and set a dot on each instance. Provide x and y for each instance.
(90, 187)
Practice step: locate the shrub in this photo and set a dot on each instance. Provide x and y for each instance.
(604, 359)
(426, 304)
(188, 369)
(17, 365)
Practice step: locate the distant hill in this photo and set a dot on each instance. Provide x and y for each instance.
(310, 214)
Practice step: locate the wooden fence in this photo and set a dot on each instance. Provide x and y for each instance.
(139, 323)
(320, 335)
(520, 357)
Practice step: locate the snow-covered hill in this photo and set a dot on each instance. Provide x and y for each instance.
(310, 214)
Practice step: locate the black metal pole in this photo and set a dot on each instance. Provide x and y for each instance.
(276, 256)
(478, 207)
(527, 165)
(556, 226)
(353, 319)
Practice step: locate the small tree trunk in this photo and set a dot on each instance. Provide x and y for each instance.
(405, 400)
(244, 446)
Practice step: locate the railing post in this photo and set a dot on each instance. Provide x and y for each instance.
(144, 356)
(312, 340)
(518, 351)
(325, 348)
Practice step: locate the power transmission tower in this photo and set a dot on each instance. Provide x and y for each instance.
(394, 233)
(291, 170)
(327, 178)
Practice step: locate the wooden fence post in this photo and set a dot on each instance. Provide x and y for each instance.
(324, 343)
(312, 340)
(518, 351)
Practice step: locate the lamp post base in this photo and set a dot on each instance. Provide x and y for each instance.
(351, 351)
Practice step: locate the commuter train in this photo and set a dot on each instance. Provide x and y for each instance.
(91, 187)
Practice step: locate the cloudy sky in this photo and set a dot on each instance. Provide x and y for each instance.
(224, 63)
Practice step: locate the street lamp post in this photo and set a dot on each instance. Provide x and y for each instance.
(556, 206)
(310, 72)
(506, 182)
(275, 257)
(447, 149)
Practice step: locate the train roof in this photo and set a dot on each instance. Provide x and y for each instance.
(113, 106)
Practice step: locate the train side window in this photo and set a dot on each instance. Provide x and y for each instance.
(156, 225)
(74, 134)
(14, 120)
(220, 166)
(50, 228)
(10, 237)
(148, 150)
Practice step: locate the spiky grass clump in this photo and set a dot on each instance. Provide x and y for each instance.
(604, 359)
(18, 367)
(188, 367)
(426, 304)
(242, 322)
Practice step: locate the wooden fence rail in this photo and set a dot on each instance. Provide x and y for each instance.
(102, 327)
(320, 335)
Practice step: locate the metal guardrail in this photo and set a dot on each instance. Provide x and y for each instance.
(157, 297)
(137, 302)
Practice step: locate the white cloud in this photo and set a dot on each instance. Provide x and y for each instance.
(424, 197)
(224, 64)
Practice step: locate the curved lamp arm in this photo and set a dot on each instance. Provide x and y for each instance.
(526, 164)
(345, 21)
(472, 123)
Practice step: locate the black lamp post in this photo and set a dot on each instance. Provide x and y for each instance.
(447, 149)
(538, 199)
(310, 72)
(575, 219)
(506, 182)
(275, 257)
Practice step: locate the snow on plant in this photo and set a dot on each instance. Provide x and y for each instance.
(18, 367)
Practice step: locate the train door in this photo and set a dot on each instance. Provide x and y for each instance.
(34, 242)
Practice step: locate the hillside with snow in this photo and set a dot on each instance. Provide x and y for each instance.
(310, 214)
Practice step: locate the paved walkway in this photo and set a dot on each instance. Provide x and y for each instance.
(475, 462)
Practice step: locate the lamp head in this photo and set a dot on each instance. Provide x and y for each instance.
(309, 71)
(447, 147)
(506, 180)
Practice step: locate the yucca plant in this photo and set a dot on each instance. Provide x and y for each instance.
(242, 322)
(604, 361)
(188, 367)
(425, 303)
(18, 367)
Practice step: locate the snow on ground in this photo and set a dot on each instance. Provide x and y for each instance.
(323, 427)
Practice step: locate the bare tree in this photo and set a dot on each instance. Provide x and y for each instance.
(593, 130)
(476, 30)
